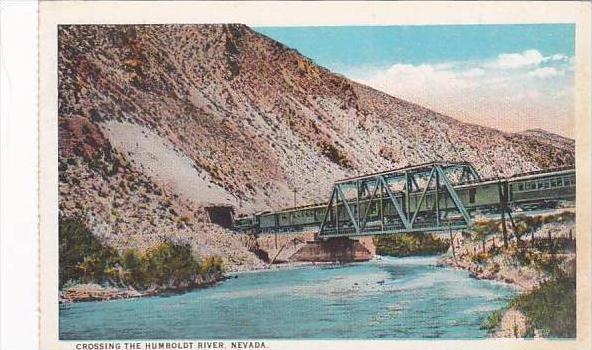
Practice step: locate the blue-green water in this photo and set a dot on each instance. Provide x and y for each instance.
(407, 298)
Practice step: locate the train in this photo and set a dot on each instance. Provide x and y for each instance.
(522, 192)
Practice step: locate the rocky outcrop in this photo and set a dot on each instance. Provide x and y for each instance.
(95, 292)
(512, 325)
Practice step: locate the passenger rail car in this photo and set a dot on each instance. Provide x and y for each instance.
(527, 191)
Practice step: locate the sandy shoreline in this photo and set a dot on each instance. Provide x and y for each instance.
(96, 292)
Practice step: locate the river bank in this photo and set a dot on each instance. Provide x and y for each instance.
(95, 292)
(538, 258)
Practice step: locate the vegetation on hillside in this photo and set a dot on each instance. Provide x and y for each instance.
(84, 259)
(549, 307)
(409, 244)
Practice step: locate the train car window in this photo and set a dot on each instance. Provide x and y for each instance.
(553, 182)
(472, 193)
(545, 184)
(560, 182)
(520, 187)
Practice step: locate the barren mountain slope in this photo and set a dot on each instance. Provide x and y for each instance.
(555, 140)
(125, 208)
(250, 120)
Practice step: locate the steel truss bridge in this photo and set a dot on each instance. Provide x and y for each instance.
(429, 197)
(423, 198)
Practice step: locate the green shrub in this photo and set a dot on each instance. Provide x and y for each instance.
(495, 268)
(551, 307)
(212, 264)
(84, 259)
(526, 224)
(132, 265)
(81, 255)
(335, 155)
(493, 321)
(168, 262)
(480, 258)
(409, 244)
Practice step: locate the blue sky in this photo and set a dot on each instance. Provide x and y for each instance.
(511, 77)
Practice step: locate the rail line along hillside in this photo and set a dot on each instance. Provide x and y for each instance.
(423, 198)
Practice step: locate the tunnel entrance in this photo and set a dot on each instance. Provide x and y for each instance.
(221, 215)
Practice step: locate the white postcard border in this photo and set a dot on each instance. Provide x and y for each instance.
(260, 13)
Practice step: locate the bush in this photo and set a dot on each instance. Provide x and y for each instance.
(334, 155)
(409, 244)
(212, 264)
(168, 263)
(493, 321)
(480, 258)
(495, 268)
(84, 259)
(551, 307)
(549, 263)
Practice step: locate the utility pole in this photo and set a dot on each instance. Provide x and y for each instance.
(452, 242)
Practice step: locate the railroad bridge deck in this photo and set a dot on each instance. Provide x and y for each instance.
(429, 197)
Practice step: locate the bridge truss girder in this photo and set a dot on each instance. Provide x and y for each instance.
(394, 189)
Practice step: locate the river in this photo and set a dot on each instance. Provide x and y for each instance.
(407, 298)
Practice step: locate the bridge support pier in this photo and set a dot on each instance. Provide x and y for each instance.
(341, 249)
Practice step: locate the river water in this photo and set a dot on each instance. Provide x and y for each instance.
(407, 298)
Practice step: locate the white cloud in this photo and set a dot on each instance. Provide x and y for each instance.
(515, 60)
(559, 57)
(544, 72)
(487, 92)
(421, 74)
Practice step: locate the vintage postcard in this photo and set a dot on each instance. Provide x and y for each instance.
(313, 175)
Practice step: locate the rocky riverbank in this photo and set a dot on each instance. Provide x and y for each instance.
(96, 292)
(538, 257)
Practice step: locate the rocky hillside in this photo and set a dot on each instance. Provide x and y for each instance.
(555, 140)
(195, 115)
